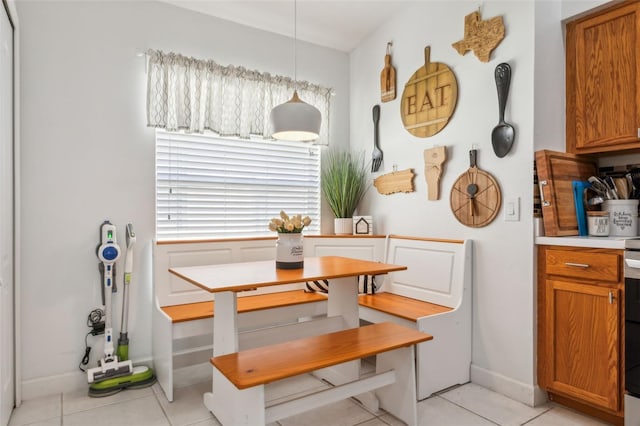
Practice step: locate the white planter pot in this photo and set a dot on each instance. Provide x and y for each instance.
(343, 226)
(289, 251)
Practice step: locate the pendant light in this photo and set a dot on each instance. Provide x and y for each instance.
(295, 120)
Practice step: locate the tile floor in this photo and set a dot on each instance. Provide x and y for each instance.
(467, 405)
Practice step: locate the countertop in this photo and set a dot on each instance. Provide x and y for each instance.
(590, 242)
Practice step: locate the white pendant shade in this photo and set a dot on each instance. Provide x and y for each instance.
(296, 120)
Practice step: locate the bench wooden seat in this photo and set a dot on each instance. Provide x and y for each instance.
(267, 364)
(202, 310)
(400, 306)
(239, 377)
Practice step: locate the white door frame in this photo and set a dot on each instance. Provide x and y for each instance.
(10, 7)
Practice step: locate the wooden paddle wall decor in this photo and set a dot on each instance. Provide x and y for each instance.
(429, 98)
(480, 36)
(434, 159)
(388, 78)
(393, 182)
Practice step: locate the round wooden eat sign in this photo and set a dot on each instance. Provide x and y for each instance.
(429, 98)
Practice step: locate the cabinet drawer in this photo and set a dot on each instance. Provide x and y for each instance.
(596, 265)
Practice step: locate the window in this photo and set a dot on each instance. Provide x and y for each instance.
(215, 187)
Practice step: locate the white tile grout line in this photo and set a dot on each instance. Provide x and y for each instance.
(157, 397)
(535, 417)
(470, 411)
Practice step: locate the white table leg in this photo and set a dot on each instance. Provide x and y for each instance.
(225, 324)
(225, 335)
(343, 300)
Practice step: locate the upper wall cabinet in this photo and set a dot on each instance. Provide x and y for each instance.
(603, 74)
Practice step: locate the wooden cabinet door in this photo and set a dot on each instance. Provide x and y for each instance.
(603, 98)
(582, 342)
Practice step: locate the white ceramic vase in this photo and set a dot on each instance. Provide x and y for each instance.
(289, 250)
(343, 226)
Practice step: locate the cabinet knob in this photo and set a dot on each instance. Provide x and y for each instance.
(611, 298)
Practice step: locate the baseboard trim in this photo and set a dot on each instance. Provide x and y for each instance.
(61, 383)
(531, 395)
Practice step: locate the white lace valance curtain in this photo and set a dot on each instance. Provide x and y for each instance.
(193, 95)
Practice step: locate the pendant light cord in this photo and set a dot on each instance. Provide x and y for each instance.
(295, 45)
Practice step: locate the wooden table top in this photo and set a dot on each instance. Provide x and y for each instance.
(244, 276)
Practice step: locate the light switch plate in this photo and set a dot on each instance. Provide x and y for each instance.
(512, 209)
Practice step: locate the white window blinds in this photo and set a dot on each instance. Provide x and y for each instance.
(213, 187)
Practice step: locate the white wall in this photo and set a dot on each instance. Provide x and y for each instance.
(503, 302)
(87, 156)
(549, 79)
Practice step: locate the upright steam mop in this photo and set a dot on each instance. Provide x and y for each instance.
(108, 253)
(125, 375)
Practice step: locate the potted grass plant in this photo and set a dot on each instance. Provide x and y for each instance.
(343, 183)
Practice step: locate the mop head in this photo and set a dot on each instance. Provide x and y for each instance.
(109, 370)
(141, 377)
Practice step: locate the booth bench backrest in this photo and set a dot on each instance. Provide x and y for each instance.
(171, 290)
(435, 273)
(436, 270)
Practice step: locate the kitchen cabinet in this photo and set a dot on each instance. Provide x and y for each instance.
(580, 328)
(602, 81)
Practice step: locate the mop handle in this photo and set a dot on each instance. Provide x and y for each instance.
(128, 271)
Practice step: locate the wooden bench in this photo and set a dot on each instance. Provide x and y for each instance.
(182, 336)
(240, 377)
(432, 295)
(205, 310)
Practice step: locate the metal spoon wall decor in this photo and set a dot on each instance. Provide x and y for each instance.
(503, 134)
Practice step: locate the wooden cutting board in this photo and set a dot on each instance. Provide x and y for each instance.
(483, 208)
(556, 171)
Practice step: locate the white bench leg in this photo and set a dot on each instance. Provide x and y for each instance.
(399, 398)
(233, 406)
(225, 341)
(343, 302)
(163, 351)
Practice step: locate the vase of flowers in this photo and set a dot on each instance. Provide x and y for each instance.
(289, 248)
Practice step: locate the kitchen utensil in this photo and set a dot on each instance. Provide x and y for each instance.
(612, 187)
(376, 157)
(630, 185)
(635, 181)
(472, 190)
(599, 186)
(594, 201)
(475, 196)
(621, 187)
(503, 134)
